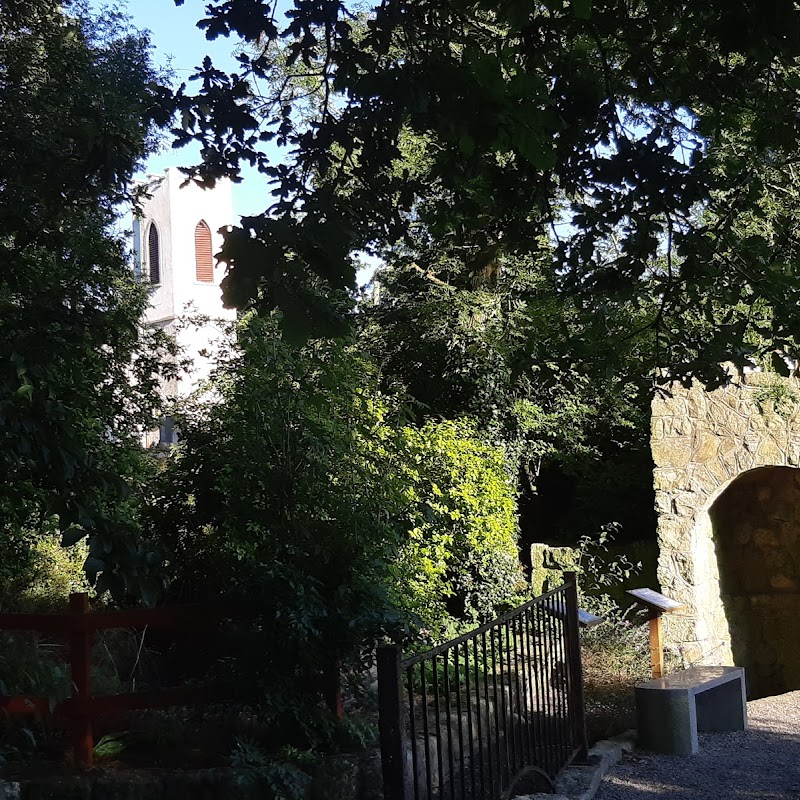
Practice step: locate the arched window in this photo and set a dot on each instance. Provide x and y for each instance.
(203, 260)
(153, 254)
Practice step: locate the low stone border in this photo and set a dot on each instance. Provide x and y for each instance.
(342, 778)
(581, 781)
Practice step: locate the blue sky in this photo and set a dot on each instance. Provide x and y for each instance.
(180, 45)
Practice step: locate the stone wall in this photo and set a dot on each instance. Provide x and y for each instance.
(702, 442)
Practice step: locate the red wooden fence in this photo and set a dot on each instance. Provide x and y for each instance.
(78, 624)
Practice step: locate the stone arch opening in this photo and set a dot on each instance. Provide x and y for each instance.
(755, 528)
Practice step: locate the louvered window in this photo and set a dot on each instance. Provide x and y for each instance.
(203, 260)
(153, 254)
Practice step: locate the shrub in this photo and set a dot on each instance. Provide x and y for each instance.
(283, 490)
(37, 573)
(461, 562)
(298, 484)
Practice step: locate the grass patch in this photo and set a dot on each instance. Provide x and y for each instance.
(616, 656)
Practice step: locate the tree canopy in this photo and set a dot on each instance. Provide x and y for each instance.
(652, 143)
(78, 378)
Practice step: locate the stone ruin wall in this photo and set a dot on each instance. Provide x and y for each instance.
(702, 442)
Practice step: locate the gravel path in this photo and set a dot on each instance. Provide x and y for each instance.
(762, 762)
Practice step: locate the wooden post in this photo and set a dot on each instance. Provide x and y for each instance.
(391, 722)
(656, 644)
(333, 689)
(657, 605)
(576, 698)
(80, 666)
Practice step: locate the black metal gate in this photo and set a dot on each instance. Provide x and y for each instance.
(468, 719)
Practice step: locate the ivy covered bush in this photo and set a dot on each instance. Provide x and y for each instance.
(460, 563)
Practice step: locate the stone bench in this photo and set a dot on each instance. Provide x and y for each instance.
(671, 710)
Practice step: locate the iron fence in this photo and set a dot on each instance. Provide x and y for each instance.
(490, 710)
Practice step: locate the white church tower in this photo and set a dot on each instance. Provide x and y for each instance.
(175, 238)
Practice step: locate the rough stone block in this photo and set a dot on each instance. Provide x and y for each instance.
(626, 740)
(667, 479)
(549, 563)
(706, 446)
(673, 452)
(579, 781)
(770, 452)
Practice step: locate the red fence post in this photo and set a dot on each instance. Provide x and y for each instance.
(333, 688)
(80, 666)
(577, 701)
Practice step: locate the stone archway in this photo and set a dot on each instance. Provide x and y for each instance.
(705, 445)
(755, 524)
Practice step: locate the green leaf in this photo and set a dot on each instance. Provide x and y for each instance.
(26, 390)
(779, 365)
(109, 746)
(73, 535)
(534, 149)
(92, 566)
(466, 144)
(582, 8)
